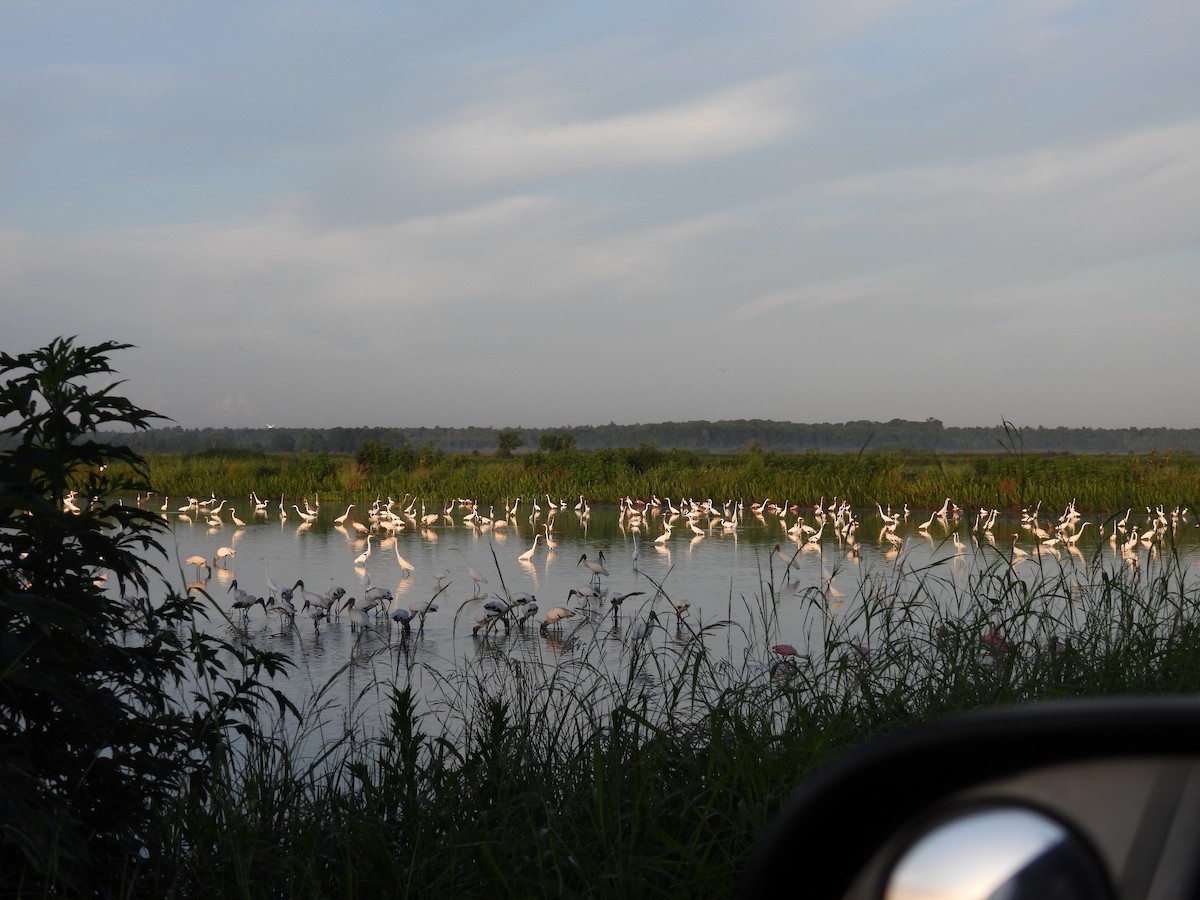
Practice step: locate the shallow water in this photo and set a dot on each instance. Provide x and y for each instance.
(744, 597)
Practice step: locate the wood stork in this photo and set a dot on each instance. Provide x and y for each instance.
(528, 611)
(421, 609)
(586, 594)
(595, 566)
(617, 599)
(359, 617)
(554, 616)
(641, 630)
(199, 561)
(242, 600)
(403, 618)
(314, 612)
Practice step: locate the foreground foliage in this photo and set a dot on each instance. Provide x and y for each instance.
(93, 745)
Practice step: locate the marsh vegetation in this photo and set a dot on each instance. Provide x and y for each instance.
(174, 762)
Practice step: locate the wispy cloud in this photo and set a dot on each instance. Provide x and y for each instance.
(1150, 165)
(518, 144)
(1041, 213)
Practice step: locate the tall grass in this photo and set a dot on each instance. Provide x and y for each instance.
(922, 481)
(631, 769)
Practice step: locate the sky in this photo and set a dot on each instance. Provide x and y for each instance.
(548, 214)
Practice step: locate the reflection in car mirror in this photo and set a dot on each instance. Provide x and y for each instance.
(997, 851)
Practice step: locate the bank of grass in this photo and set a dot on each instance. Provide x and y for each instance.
(1007, 480)
(515, 780)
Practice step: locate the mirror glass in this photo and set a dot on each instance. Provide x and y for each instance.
(1007, 852)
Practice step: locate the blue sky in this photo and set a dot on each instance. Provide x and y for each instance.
(549, 214)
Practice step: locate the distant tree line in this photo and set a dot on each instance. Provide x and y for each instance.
(726, 436)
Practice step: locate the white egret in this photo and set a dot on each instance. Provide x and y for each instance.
(528, 554)
(406, 568)
(472, 573)
(1017, 553)
(272, 587)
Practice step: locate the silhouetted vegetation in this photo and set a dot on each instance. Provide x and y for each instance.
(93, 743)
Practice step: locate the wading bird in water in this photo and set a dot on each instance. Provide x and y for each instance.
(554, 616)
(199, 561)
(528, 554)
(473, 574)
(595, 566)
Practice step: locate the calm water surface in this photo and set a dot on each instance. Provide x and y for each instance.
(741, 594)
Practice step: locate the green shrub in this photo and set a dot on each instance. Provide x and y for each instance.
(92, 741)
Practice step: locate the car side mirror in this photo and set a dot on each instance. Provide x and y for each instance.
(1071, 799)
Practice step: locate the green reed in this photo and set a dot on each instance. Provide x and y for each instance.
(923, 481)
